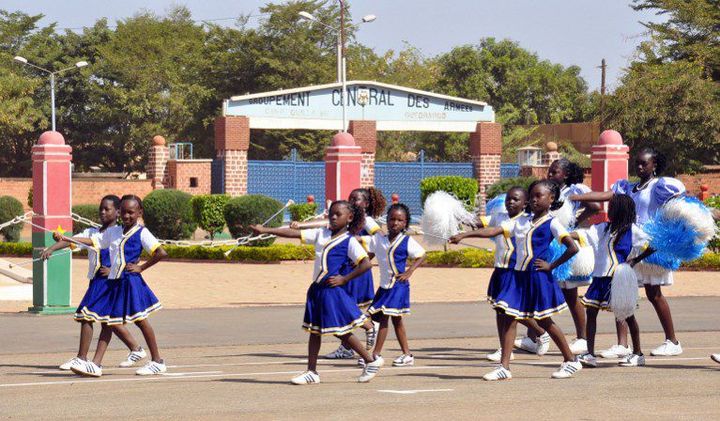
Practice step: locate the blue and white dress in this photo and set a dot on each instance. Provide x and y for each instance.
(565, 192)
(98, 283)
(393, 297)
(647, 201)
(127, 299)
(362, 288)
(535, 295)
(502, 277)
(609, 253)
(331, 310)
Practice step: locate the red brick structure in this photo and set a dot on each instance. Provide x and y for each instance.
(232, 140)
(365, 134)
(190, 175)
(486, 151)
(157, 160)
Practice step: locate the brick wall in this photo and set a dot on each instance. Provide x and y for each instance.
(190, 175)
(710, 176)
(157, 171)
(486, 151)
(232, 133)
(236, 171)
(365, 134)
(367, 170)
(582, 135)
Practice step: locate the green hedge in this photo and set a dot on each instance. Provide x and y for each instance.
(463, 188)
(90, 212)
(504, 184)
(10, 207)
(241, 212)
(169, 215)
(715, 242)
(464, 258)
(302, 211)
(208, 210)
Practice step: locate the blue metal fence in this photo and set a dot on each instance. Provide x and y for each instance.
(295, 179)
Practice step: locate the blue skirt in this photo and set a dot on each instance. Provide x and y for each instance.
(532, 295)
(330, 311)
(124, 300)
(392, 302)
(97, 287)
(501, 278)
(598, 294)
(361, 289)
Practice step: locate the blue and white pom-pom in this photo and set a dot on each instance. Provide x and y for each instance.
(578, 269)
(496, 206)
(679, 232)
(442, 216)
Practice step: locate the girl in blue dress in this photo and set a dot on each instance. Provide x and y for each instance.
(127, 299)
(533, 293)
(392, 300)
(329, 309)
(613, 242)
(99, 267)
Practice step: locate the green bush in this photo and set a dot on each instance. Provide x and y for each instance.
(16, 249)
(241, 212)
(168, 214)
(714, 202)
(10, 207)
(302, 211)
(208, 210)
(90, 212)
(463, 188)
(504, 184)
(464, 258)
(30, 198)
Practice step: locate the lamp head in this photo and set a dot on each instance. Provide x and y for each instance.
(22, 60)
(307, 16)
(81, 63)
(368, 18)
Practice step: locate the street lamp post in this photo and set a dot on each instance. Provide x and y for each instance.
(341, 69)
(79, 64)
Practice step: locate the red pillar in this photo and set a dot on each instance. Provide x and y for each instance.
(232, 141)
(609, 164)
(365, 134)
(486, 151)
(342, 167)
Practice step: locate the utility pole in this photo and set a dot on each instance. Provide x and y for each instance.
(603, 67)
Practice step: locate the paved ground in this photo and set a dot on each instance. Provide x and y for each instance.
(236, 362)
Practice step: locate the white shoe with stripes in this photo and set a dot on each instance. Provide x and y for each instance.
(715, 357)
(87, 368)
(133, 357)
(497, 356)
(543, 344)
(371, 369)
(341, 353)
(567, 369)
(370, 337)
(500, 373)
(70, 363)
(308, 377)
(152, 368)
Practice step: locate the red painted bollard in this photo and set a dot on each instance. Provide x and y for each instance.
(395, 198)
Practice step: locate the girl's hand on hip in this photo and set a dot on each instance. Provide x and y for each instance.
(542, 266)
(336, 281)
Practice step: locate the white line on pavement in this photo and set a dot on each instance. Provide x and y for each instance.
(412, 392)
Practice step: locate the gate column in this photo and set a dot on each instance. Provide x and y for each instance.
(609, 164)
(232, 141)
(486, 151)
(342, 167)
(365, 134)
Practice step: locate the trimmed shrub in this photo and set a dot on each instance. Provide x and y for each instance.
(714, 202)
(16, 249)
(241, 212)
(463, 188)
(464, 258)
(208, 210)
(10, 207)
(504, 184)
(302, 211)
(168, 214)
(90, 212)
(30, 198)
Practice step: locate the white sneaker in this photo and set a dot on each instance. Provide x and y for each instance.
(633, 360)
(578, 346)
(616, 351)
(361, 361)
(667, 349)
(370, 336)
(151, 368)
(526, 344)
(715, 357)
(587, 360)
(341, 353)
(497, 356)
(70, 363)
(87, 368)
(307, 377)
(371, 369)
(543, 344)
(404, 360)
(500, 373)
(567, 369)
(133, 357)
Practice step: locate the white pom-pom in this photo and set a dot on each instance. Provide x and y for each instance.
(566, 214)
(649, 270)
(623, 292)
(584, 262)
(694, 214)
(442, 215)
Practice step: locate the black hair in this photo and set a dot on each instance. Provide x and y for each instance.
(358, 216)
(375, 200)
(657, 157)
(402, 207)
(574, 173)
(113, 198)
(520, 188)
(132, 197)
(551, 185)
(622, 214)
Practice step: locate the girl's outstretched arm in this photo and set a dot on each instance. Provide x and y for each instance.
(280, 232)
(481, 232)
(589, 209)
(594, 196)
(320, 223)
(77, 240)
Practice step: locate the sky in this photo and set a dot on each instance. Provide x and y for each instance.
(569, 32)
